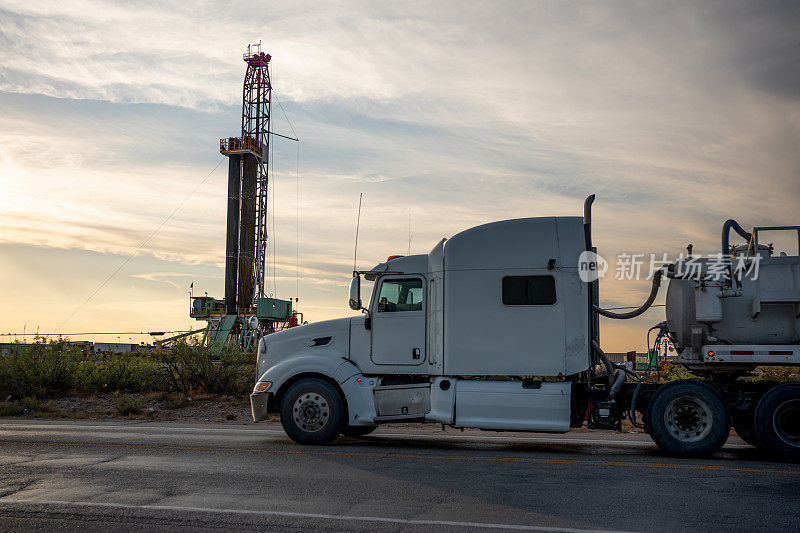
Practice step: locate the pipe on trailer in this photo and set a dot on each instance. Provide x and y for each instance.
(729, 225)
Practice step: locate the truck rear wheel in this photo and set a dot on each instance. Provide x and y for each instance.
(745, 427)
(688, 418)
(777, 421)
(312, 412)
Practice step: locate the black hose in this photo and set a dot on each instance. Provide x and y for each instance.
(645, 306)
(619, 379)
(633, 405)
(606, 361)
(726, 234)
(632, 374)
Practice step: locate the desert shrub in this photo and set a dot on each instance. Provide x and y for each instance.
(127, 405)
(11, 409)
(39, 370)
(118, 372)
(32, 404)
(21, 407)
(47, 369)
(195, 368)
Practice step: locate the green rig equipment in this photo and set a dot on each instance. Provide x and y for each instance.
(244, 328)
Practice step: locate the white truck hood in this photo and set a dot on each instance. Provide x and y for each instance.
(329, 336)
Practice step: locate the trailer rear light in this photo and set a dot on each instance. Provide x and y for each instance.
(262, 386)
(742, 352)
(781, 352)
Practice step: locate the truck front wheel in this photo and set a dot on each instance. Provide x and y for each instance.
(778, 421)
(357, 432)
(688, 418)
(312, 412)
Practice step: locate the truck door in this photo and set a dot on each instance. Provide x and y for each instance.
(398, 321)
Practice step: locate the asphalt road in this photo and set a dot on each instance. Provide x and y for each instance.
(92, 475)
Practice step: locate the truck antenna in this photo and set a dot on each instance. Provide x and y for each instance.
(409, 234)
(358, 223)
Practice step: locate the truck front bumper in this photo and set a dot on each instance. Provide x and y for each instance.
(259, 405)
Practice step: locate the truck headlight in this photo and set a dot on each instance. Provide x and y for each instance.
(262, 386)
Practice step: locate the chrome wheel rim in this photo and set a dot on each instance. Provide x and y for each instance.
(688, 419)
(311, 411)
(786, 421)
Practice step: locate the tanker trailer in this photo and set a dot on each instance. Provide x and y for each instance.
(729, 313)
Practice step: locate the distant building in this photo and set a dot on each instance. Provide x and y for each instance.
(84, 346)
(9, 348)
(621, 357)
(114, 347)
(87, 347)
(121, 347)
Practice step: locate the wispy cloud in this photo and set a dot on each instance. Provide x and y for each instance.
(170, 277)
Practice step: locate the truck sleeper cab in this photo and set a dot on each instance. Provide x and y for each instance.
(440, 336)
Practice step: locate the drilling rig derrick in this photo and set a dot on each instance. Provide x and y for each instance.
(246, 313)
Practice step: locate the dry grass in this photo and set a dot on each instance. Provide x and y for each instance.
(777, 373)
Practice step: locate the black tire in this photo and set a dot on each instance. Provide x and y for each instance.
(312, 412)
(746, 429)
(357, 432)
(744, 422)
(777, 421)
(689, 419)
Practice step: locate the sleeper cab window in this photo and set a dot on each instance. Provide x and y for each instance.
(399, 295)
(529, 290)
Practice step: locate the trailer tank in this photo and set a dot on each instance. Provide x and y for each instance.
(747, 296)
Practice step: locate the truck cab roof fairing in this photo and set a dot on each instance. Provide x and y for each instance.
(411, 264)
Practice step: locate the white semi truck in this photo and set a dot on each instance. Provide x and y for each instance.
(495, 329)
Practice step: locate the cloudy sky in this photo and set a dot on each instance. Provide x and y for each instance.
(444, 114)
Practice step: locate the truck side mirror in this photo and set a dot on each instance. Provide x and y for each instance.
(355, 293)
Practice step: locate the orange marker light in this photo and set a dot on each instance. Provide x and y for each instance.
(711, 353)
(263, 386)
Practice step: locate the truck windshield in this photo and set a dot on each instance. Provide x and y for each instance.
(400, 295)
